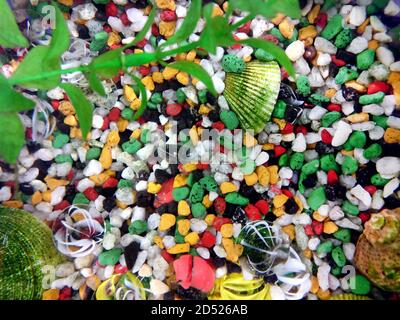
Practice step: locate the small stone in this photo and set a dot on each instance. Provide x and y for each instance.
(333, 27)
(167, 221)
(365, 59)
(385, 56)
(342, 133)
(359, 44)
(158, 287)
(316, 198)
(110, 257)
(232, 63)
(357, 15)
(295, 50)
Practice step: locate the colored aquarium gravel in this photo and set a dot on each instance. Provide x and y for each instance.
(316, 180)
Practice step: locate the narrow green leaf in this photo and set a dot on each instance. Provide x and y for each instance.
(195, 71)
(103, 63)
(83, 107)
(143, 100)
(60, 39)
(95, 83)
(32, 66)
(289, 8)
(10, 35)
(12, 137)
(10, 100)
(142, 33)
(268, 8)
(188, 25)
(208, 40)
(273, 49)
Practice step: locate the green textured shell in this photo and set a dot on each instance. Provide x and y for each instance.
(26, 246)
(349, 296)
(252, 94)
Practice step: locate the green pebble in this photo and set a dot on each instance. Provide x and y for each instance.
(296, 161)
(180, 95)
(334, 26)
(80, 198)
(156, 98)
(248, 166)
(302, 188)
(293, 38)
(123, 183)
(365, 59)
(283, 160)
(180, 193)
(132, 146)
(380, 121)
(263, 55)
(318, 98)
(279, 110)
(310, 167)
(178, 237)
(343, 235)
(316, 198)
(350, 208)
(371, 10)
(145, 136)
(236, 198)
(209, 183)
(93, 153)
(357, 139)
(153, 41)
(303, 85)
(339, 257)
(328, 162)
(99, 41)
(372, 98)
(344, 38)
(152, 105)
(329, 118)
(60, 140)
(345, 74)
(197, 193)
(349, 165)
(137, 227)
(110, 257)
(61, 158)
(380, 4)
(101, 1)
(275, 32)
(378, 181)
(361, 285)
(229, 119)
(193, 252)
(232, 63)
(127, 114)
(198, 210)
(203, 96)
(336, 271)
(304, 22)
(373, 151)
(325, 247)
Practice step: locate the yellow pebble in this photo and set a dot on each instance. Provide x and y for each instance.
(278, 211)
(148, 83)
(280, 122)
(36, 198)
(46, 196)
(307, 253)
(105, 157)
(373, 44)
(153, 187)
(158, 241)
(318, 217)
(121, 205)
(13, 204)
(66, 108)
(263, 176)
(233, 250)
(183, 208)
(278, 19)
(179, 248)
(217, 11)
(392, 135)
(356, 86)
(183, 78)
(157, 77)
(279, 200)
(268, 146)
(313, 14)
(193, 135)
(307, 32)
(70, 120)
(51, 294)
(358, 117)
(289, 230)
(273, 171)
(189, 167)
(249, 140)
(204, 109)
(67, 3)
(227, 187)
(286, 28)
(192, 238)
(99, 179)
(361, 28)
(227, 230)
(136, 134)
(206, 201)
(113, 39)
(183, 226)
(129, 93)
(299, 203)
(135, 104)
(93, 282)
(122, 124)
(169, 73)
(330, 93)
(314, 284)
(167, 28)
(209, 219)
(113, 138)
(191, 55)
(251, 179)
(53, 183)
(166, 4)
(330, 227)
(180, 180)
(324, 295)
(167, 221)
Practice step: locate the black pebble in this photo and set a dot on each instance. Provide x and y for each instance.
(144, 199)
(310, 181)
(291, 206)
(162, 176)
(233, 267)
(323, 148)
(350, 94)
(83, 32)
(143, 175)
(109, 204)
(26, 188)
(348, 57)
(131, 253)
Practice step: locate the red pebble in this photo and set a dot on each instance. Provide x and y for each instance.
(321, 20)
(318, 227)
(114, 114)
(110, 183)
(364, 216)
(91, 193)
(168, 15)
(219, 221)
(334, 107)
(287, 129)
(338, 62)
(55, 104)
(284, 74)
(167, 256)
(202, 166)
(111, 9)
(219, 125)
(378, 86)
(65, 293)
(62, 205)
(120, 269)
(28, 133)
(70, 175)
(252, 212)
(370, 189)
(203, 275)
(106, 122)
(207, 239)
(272, 38)
(165, 194)
(219, 205)
(279, 150)
(154, 30)
(245, 28)
(301, 129)
(142, 43)
(124, 19)
(173, 109)
(107, 28)
(309, 230)
(144, 71)
(287, 193)
(263, 206)
(326, 137)
(332, 177)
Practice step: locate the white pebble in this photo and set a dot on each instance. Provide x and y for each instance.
(324, 45)
(390, 187)
(295, 50)
(93, 167)
(385, 56)
(359, 44)
(388, 166)
(299, 144)
(323, 276)
(357, 15)
(342, 133)
(361, 194)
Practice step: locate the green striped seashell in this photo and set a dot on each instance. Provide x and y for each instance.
(349, 296)
(252, 94)
(26, 246)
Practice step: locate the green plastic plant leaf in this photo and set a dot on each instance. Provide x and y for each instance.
(273, 49)
(143, 101)
(268, 8)
(95, 83)
(10, 35)
(10, 100)
(12, 137)
(108, 64)
(142, 33)
(188, 25)
(196, 71)
(207, 39)
(83, 107)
